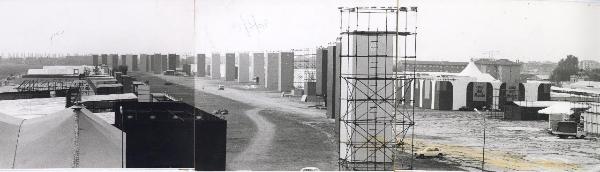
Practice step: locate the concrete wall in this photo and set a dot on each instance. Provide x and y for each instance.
(200, 65)
(143, 63)
(178, 63)
(272, 71)
(321, 72)
(123, 61)
(172, 62)
(230, 67)
(156, 63)
(215, 66)
(95, 61)
(332, 83)
(244, 67)
(286, 72)
(134, 63)
(114, 60)
(104, 59)
(258, 67)
(164, 63)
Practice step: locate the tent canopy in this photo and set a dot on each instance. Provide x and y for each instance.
(69, 138)
(472, 71)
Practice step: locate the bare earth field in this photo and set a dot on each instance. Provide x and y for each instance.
(270, 132)
(510, 145)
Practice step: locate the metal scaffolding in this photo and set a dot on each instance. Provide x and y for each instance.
(373, 123)
(304, 67)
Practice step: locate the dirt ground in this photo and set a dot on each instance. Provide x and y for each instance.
(278, 133)
(270, 132)
(260, 136)
(510, 145)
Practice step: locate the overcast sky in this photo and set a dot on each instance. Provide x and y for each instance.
(96, 26)
(448, 30)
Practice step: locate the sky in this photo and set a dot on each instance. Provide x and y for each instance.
(456, 30)
(96, 26)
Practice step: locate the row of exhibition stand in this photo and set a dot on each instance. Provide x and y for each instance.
(467, 90)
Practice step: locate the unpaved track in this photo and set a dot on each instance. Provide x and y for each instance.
(256, 152)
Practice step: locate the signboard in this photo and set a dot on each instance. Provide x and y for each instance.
(479, 91)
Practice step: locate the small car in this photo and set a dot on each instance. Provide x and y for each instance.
(310, 169)
(221, 87)
(429, 152)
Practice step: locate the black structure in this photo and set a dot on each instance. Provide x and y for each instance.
(171, 135)
(513, 111)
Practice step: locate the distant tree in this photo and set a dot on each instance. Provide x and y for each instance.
(594, 74)
(566, 68)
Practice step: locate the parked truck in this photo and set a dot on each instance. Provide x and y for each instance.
(568, 129)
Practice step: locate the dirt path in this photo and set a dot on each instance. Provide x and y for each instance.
(255, 153)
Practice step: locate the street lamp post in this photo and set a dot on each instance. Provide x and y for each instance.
(483, 148)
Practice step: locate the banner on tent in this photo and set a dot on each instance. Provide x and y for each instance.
(479, 91)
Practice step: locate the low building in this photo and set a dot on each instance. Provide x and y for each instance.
(179, 135)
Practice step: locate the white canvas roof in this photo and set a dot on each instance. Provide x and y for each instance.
(31, 108)
(55, 140)
(472, 71)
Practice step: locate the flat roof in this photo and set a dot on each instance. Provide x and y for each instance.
(109, 97)
(108, 85)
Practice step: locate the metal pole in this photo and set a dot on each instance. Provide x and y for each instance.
(483, 162)
(483, 148)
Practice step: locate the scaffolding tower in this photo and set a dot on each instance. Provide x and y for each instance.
(373, 123)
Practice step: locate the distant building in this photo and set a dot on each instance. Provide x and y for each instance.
(501, 69)
(539, 68)
(589, 64)
(433, 66)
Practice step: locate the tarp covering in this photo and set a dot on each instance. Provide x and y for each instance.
(65, 139)
(561, 108)
(472, 71)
